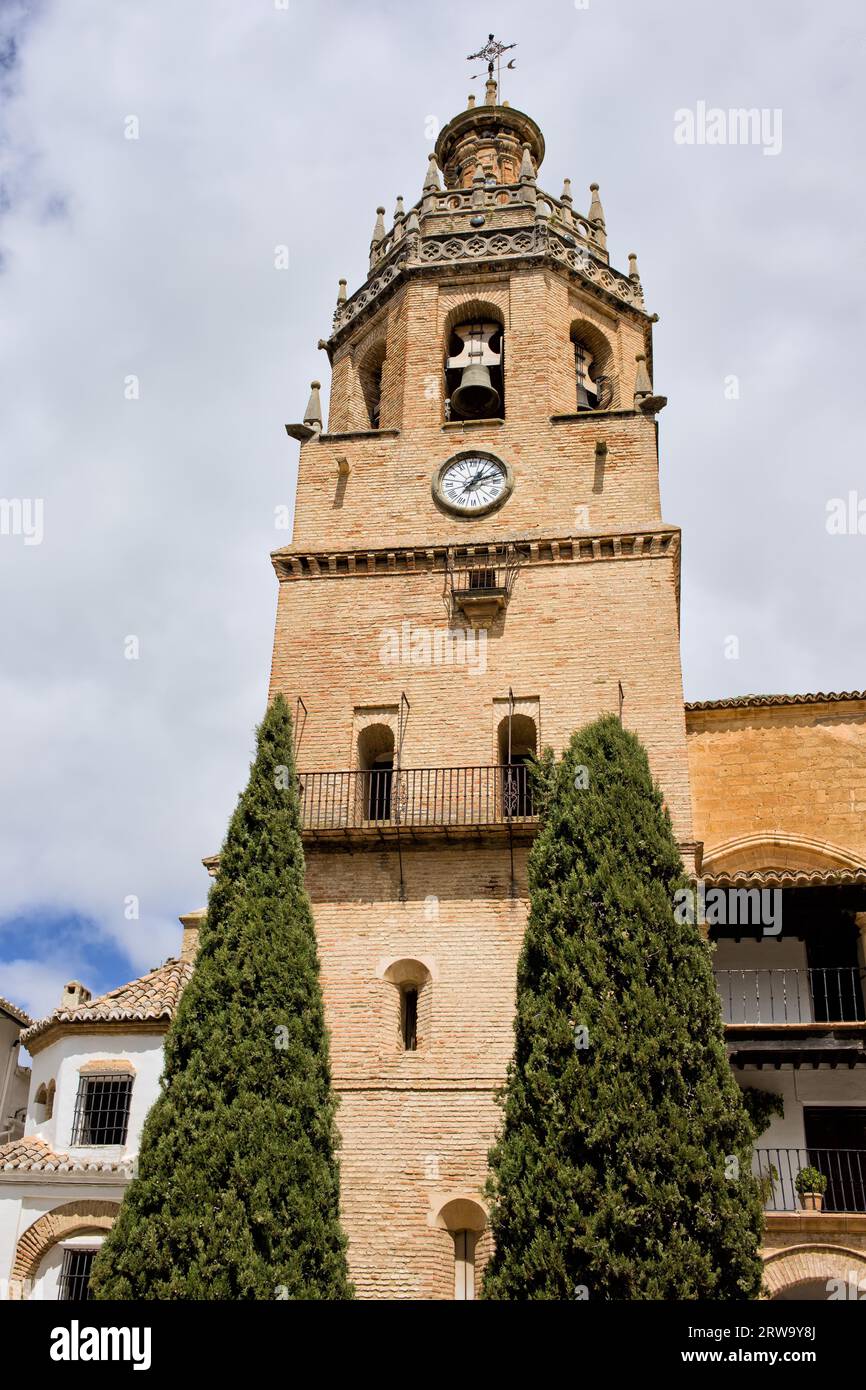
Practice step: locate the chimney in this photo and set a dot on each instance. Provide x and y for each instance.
(74, 993)
(191, 924)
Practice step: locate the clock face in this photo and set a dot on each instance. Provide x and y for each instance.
(473, 483)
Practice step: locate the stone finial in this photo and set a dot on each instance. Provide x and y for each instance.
(379, 228)
(642, 384)
(470, 101)
(490, 92)
(527, 168)
(313, 412)
(399, 210)
(632, 266)
(341, 292)
(596, 211)
(431, 183)
(413, 226)
(565, 195)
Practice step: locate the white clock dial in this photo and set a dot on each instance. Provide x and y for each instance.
(473, 482)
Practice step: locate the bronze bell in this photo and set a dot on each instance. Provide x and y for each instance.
(476, 395)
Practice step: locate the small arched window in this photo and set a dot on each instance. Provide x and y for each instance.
(411, 980)
(593, 367)
(370, 373)
(49, 1099)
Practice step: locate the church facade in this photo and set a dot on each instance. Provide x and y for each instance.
(479, 566)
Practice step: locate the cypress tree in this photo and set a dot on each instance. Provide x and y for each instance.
(623, 1166)
(237, 1190)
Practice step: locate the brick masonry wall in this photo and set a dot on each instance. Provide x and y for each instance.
(797, 770)
(387, 496)
(570, 633)
(416, 1126)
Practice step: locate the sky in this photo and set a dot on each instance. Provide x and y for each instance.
(153, 161)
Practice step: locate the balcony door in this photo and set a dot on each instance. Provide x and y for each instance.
(836, 1144)
(835, 975)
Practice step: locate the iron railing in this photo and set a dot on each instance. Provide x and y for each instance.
(829, 994)
(416, 798)
(844, 1169)
(488, 572)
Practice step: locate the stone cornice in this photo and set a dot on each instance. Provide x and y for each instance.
(649, 543)
(536, 243)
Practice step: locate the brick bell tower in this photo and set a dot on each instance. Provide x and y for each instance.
(479, 566)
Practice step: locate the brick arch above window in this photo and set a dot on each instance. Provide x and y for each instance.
(69, 1219)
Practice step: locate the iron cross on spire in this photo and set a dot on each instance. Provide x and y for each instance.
(491, 54)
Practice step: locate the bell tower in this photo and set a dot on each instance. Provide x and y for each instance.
(479, 566)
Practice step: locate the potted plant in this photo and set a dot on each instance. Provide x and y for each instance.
(811, 1186)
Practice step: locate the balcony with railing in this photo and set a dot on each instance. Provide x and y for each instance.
(843, 1169)
(384, 803)
(792, 996)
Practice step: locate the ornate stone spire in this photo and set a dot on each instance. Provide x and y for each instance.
(596, 211)
(313, 412)
(431, 183)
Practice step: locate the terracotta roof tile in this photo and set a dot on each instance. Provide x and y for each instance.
(763, 701)
(14, 1012)
(151, 997)
(32, 1155)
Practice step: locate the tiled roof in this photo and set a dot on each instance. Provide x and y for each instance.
(32, 1155)
(763, 701)
(152, 997)
(14, 1012)
(786, 878)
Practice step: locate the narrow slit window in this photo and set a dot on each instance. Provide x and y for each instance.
(409, 1019)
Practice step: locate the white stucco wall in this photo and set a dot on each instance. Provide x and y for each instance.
(61, 1063)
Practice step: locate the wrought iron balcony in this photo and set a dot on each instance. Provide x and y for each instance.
(800, 996)
(384, 802)
(844, 1169)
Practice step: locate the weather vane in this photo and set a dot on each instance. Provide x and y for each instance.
(491, 54)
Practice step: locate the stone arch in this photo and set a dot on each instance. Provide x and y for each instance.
(460, 1212)
(63, 1221)
(799, 1265)
(769, 850)
(472, 309)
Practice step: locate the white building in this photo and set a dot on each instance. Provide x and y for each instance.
(95, 1075)
(14, 1079)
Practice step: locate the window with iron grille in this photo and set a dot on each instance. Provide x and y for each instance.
(75, 1276)
(102, 1109)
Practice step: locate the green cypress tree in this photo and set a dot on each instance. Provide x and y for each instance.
(237, 1190)
(623, 1165)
